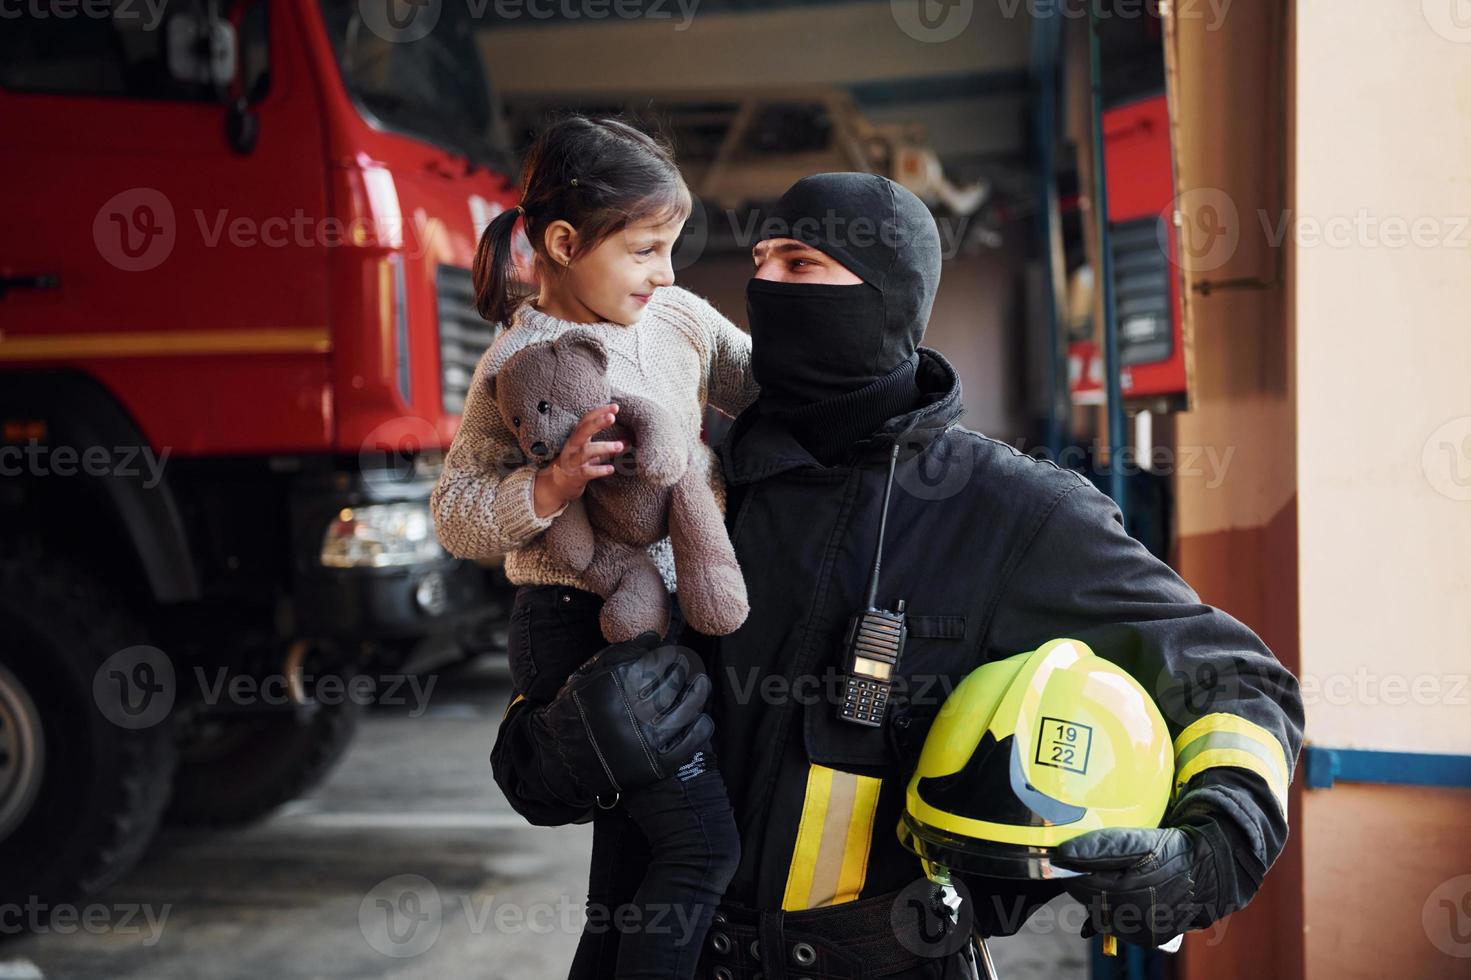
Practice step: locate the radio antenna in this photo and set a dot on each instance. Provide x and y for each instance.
(878, 551)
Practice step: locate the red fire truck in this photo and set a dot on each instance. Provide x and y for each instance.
(235, 336)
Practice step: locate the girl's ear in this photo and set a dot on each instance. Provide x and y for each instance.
(560, 239)
(583, 342)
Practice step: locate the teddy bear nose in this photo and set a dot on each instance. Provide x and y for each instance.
(538, 449)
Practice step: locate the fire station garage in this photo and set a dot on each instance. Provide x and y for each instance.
(1082, 384)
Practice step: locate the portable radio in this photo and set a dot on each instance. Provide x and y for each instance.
(874, 642)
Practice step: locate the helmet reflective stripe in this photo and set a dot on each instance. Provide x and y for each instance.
(1223, 739)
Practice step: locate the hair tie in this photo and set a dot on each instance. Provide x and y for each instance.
(574, 182)
(522, 210)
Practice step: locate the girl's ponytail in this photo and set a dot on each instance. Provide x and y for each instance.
(493, 273)
(598, 175)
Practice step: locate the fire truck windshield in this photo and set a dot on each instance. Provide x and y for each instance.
(433, 87)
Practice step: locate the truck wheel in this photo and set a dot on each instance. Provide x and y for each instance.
(234, 771)
(80, 796)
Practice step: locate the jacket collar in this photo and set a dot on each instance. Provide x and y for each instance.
(758, 447)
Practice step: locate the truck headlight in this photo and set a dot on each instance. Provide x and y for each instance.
(381, 535)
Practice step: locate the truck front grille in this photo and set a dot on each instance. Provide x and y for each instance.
(463, 335)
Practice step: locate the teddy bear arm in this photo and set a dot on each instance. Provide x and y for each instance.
(569, 538)
(662, 449)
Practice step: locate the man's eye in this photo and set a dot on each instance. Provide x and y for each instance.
(647, 251)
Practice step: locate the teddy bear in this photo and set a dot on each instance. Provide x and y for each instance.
(660, 485)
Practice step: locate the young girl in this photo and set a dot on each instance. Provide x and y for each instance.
(603, 204)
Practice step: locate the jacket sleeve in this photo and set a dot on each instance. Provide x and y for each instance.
(1234, 712)
(528, 770)
(482, 504)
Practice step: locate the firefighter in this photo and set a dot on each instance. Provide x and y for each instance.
(993, 552)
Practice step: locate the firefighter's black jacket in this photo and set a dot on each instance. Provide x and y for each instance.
(994, 552)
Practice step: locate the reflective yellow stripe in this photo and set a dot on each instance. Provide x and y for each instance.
(1223, 739)
(1223, 723)
(514, 701)
(165, 342)
(830, 859)
(860, 837)
(1233, 757)
(809, 836)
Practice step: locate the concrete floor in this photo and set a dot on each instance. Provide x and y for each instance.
(411, 823)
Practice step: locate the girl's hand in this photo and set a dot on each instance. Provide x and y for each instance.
(580, 462)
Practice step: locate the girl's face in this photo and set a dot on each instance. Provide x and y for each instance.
(614, 280)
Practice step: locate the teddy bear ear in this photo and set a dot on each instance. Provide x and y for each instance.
(583, 340)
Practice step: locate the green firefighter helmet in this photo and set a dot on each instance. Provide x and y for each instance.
(1030, 751)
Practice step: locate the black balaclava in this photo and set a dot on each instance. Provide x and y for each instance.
(835, 362)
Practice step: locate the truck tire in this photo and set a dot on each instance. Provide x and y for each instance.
(80, 796)
(235, 771)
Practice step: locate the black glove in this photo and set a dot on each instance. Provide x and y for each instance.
(628, 717)
(1147, 886)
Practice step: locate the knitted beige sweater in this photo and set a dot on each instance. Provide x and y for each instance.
(681, 353)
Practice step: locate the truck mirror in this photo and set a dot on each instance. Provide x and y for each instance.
(201, 49)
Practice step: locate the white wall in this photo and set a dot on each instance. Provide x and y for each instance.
(1383, 327)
